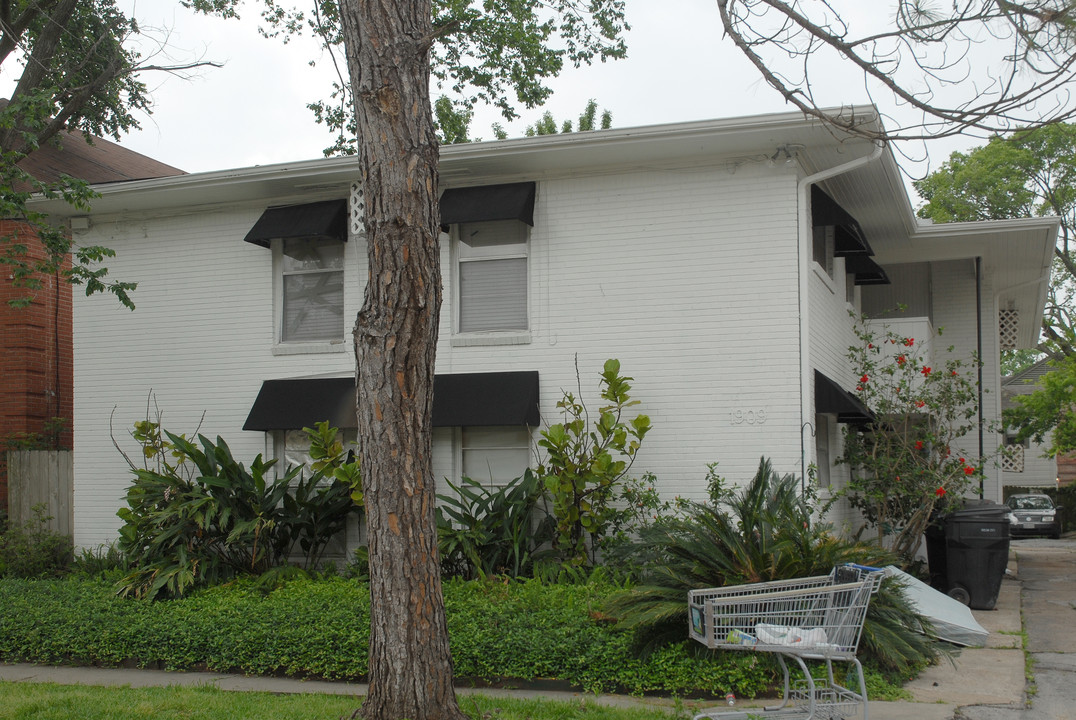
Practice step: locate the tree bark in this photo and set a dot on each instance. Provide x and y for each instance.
(387, 45)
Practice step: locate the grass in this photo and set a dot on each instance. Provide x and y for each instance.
(46, 701)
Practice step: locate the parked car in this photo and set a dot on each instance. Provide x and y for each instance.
(1033, 514)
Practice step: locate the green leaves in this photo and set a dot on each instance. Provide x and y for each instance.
(195, 516)
(495, 52)
(1026, 174)
(1047, 413)
(905, 468)
(583, 470)
(484, 531)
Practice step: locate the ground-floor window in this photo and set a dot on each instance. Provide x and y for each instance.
(494, 456)
(823, 434)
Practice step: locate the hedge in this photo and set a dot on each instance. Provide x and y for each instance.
(500, 632)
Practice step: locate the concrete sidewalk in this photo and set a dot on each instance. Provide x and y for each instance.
(993, 676)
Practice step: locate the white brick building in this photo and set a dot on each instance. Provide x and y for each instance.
(686, 251)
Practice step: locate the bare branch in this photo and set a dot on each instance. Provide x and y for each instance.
(941, 62)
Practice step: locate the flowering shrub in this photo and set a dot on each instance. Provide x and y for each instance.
(906, 464)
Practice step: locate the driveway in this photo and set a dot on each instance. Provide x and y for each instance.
(1048, 572)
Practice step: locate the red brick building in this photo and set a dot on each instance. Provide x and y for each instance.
(36, 363)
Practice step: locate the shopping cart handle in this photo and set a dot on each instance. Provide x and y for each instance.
(868, 568)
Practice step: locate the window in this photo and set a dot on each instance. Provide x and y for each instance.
(312, 273)
(823, 247)
(492, 276)
(822, 449)
(494, 456)
(292, 448)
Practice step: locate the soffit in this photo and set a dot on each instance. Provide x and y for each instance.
(1016, 254)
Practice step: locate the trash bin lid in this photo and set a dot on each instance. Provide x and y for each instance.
(978, 510)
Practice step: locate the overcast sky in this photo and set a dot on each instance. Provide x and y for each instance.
(252, 111)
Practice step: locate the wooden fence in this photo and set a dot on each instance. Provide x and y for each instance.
(41, 477)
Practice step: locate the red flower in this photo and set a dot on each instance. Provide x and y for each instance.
(969, 470)
(901, 359)
(918, 444)
(908, 342)
(940, 491)
(859, 388)
(864, 379)
(919, 403)
(953, 373)
(962, 460)
(925, 371)
(870, 346)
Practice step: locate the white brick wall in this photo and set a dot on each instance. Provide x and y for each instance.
(688, 277)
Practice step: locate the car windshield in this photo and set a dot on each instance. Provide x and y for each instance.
(1033, 502)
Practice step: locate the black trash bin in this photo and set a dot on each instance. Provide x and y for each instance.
(936, 552)
(976, 553)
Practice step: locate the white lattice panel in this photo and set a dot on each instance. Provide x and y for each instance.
(1008, 326)
(1012, 458)
(358, 209)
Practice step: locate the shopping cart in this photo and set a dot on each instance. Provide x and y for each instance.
(815, 618)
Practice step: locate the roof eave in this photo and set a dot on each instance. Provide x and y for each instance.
(473, 163)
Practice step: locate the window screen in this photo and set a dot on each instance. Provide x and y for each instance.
(313, 282)
(495, 455)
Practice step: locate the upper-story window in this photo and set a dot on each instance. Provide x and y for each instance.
(490, 228)
(492, 276)
(307, 242)
(312, 282)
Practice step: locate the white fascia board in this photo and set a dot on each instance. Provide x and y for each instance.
(955, 241)
(471, 163)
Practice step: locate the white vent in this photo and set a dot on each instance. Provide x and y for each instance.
(1012, 458)
(1008, 326)
(358, 209)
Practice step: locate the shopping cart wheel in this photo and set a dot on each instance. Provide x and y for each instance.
(960, 595)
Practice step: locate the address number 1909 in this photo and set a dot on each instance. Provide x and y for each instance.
(749, 417)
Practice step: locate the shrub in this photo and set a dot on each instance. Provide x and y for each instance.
(908, 468)
(196, 516)
(492, 531)
(522, 630)
(33, 550)
(765, 532)
(105, 561)
(584, 466)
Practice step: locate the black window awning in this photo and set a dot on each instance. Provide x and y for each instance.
(459, 400)
(865, 270)
(302, 402)
(471, 399)
(849, 238)
(511, 201)
(326, 219)
(831, 399)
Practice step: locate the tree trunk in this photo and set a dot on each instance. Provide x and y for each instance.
(387, 46)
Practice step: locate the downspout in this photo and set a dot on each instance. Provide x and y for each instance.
(979, 352)
(804, 250)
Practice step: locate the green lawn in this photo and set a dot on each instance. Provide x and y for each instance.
(43, 701)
